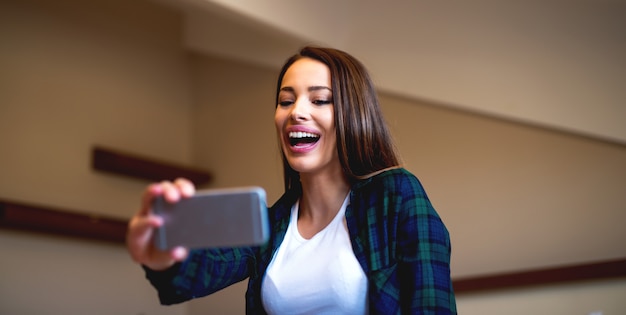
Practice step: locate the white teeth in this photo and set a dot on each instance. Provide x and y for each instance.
(300, 134)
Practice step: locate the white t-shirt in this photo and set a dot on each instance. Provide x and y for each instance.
(320, 275)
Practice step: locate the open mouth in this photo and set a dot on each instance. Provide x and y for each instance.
(299, 138)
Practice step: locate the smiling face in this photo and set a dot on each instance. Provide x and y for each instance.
(305, 118)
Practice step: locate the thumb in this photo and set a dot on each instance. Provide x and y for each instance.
(179, 253)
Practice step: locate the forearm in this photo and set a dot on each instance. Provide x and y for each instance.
(202, 273)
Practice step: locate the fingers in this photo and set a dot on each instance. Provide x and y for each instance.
(185, 186)
(138, 225)
(179, 253)
(142, 226)
(161, 260)
(147, 197)
(171, 191)
(139, 235)
(180, 188)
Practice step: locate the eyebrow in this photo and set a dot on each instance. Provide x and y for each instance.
(310, 88)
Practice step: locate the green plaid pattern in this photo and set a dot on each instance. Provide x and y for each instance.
(397, 237)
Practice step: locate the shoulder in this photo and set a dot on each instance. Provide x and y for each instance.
(397, 181)
(394, 193)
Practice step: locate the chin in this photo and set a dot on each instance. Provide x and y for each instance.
(301, 167)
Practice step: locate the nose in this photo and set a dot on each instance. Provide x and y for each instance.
(300, 110)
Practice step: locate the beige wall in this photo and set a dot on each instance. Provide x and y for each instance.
(74, 75)
(233, 118)
(514, 196)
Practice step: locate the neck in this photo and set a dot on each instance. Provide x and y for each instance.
(322, 195)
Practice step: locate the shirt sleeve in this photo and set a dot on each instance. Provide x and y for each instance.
(202, 273)
(423, 255)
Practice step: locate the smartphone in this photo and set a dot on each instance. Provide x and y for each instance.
(228, 217)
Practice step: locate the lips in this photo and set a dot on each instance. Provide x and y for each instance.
(302, 140)
(299, 138)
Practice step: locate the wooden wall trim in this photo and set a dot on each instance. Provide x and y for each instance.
(20, 216)
(553, 275)
(24, 217)
(131, 165)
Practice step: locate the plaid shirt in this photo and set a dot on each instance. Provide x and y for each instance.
(397, 237)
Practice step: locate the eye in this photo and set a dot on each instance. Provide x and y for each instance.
(285, 103)
(322, 102)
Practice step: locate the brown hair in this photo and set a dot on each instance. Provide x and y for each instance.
(364, 143)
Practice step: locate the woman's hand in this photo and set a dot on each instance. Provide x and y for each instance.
(142, 226)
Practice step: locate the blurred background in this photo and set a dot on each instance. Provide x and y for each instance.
(511, 113)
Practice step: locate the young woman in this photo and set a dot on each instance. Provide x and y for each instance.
(354, 233)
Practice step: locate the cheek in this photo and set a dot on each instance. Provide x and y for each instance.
(279, 119)
(328, 120)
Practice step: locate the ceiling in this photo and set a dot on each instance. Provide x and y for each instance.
(553, 63)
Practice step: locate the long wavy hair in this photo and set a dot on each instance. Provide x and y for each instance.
(364, 143)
